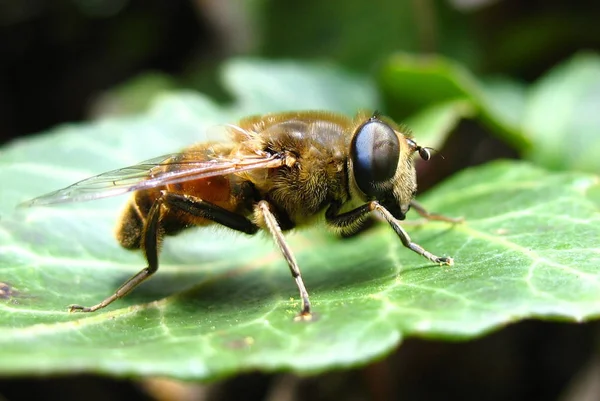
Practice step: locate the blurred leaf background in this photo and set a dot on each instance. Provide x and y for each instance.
(506, 78)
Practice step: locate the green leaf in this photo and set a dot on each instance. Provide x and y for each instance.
(562, 116)
(262, 87)
(553, 123)
(223, 303)
(432, 124)
(343, 30)
(507, 98)
(133, 96)
(411, 84)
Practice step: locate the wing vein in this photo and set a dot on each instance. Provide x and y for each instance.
(154, 173)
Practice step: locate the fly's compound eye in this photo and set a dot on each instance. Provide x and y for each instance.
(375, 152)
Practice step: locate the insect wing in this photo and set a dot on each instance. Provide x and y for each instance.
(151, 174)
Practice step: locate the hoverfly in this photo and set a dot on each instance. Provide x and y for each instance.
(277, 172)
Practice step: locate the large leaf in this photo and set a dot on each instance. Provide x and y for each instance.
(554, 122)
(412, 83)
(562, 115)
(344, 30)
(223, 303)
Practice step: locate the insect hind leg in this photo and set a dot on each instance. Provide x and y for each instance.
(420, 209)
(151, 237)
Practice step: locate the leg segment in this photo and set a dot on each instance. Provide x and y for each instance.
(151, 238)
(150, 246)
(200, 208)
(347, 219)
(417, 207)
(275, 230)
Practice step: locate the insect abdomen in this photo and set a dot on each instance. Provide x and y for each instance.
(131, 224)
(130, 228)
(227, 192)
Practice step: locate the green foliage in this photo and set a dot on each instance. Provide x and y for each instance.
(562, 116)
(411, 83)
(346, 31)
(223, 303)
(553, 123)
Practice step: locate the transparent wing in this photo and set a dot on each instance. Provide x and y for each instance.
(152, 173)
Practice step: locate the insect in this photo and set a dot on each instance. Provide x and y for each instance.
(276, 172)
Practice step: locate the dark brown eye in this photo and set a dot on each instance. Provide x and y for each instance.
(375, 152)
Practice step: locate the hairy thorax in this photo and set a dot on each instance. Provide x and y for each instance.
(315, 177)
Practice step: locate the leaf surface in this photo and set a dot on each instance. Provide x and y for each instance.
(223, 303)
(562, 115)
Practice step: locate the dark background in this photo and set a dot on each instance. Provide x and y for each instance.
(65, 61)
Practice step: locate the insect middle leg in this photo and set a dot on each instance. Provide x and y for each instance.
(151, 237)
(347, 221)
(270, 221)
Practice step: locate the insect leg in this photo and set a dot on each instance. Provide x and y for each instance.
(347, 223)
(151, 239)
(201, 208)
(271, 222)
(417, 207)
(348, 219)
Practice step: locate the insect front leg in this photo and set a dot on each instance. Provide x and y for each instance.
(151, 238)
(265, 214)
(348, 220)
